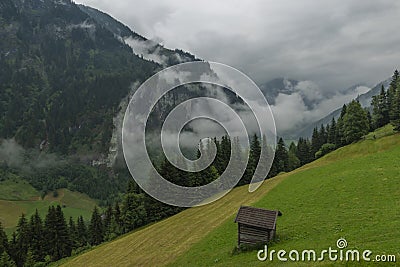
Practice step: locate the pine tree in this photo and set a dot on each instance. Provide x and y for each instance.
(327, 130)
(183, 177)
(355, 122)
(6, 261)
(218, 161)
(237, 157)
(82, 236)
(255, 151)
(315, 142)
(391, 96)
(340, 138)
(369, 117)
(395, 79)
(56, 234)
(3, 240)
(133, 212)
(30, 261)
(23, 240)
(380, 109)
(225, 153)
(108, 217)
(384, 106)
(281, 160)
(304, 151)
(332, 132)
(65, 246)
(118, 219)
(13, 247)
(169, 172)
(73, 233)
(37, 245)
(293, 161)
(323, 136)
(265, 162)
(254, 157)
(394, 91)
(96, 230)
(396, 111)
(131, 187)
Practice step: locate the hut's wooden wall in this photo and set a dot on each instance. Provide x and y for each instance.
(254, 235)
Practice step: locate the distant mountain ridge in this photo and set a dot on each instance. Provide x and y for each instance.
(274, 87)
(364, 99)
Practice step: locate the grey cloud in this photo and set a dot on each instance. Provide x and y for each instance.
(11, 153)
(336, 44)
(147, 49)
(291, 113)
(15, 156)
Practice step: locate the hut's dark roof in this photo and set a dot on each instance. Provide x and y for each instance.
(257, 217)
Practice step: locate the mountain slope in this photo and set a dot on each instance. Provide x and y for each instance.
(333, 197)
(274, 87)
(17, 197)
(63, 76)
(364, 99)
(141, 46)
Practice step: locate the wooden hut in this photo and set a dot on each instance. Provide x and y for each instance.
(256, 225)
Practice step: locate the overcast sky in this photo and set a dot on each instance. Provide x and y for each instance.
(334, 43)
(331, 45)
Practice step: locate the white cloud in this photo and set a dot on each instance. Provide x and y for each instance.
(292, 113)
(148, 49)
(309, 90)
(334, 44)
(362, 90)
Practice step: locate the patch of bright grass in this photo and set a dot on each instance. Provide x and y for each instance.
(352, 192)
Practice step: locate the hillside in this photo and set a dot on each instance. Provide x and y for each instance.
(17, 197)
(348, 193)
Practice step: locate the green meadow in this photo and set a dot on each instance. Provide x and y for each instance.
(18, 197)
(351, 193)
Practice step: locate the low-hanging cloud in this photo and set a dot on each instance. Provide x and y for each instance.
(15, 156)
(291, 112)
(148, 49)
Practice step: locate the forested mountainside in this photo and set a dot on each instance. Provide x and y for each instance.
(63, 76)
(141, 45)
(64, 71)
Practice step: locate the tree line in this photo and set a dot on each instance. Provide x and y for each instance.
(353, 123)
(386, 105)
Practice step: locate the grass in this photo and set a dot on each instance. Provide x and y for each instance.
(74, 204)
(381, 132)
(172, 236)
(14, 188)
(357, 199)
(353, 192)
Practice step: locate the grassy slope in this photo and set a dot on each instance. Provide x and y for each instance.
(357, 198)
(160, 243)
(16, 189)
(17, 197)
(352, 193)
